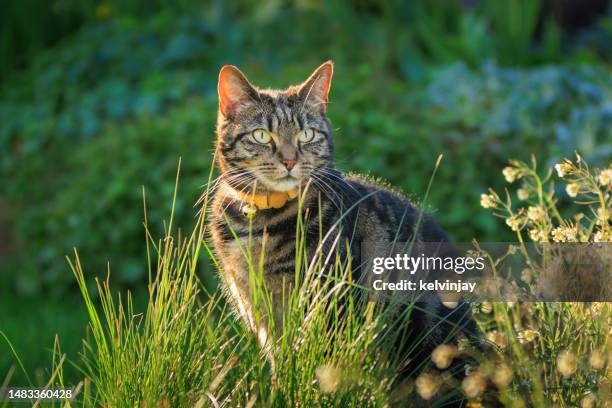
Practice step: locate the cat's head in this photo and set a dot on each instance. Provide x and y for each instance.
(276, 138)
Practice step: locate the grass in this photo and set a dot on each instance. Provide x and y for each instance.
(187, 348)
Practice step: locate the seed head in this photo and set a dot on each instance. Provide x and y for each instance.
(502, 375)
(427, 386)
(567, 363)
(443, 355)
(329, 378)
(474, 384)
(588, 401)
(597, 360)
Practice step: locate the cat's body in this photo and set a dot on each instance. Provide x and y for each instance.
(279, 155)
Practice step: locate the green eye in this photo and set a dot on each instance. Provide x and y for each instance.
(262, 136)
(306, 135)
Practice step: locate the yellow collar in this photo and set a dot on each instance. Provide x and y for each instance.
(273, 199)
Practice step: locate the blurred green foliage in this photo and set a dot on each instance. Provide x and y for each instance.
(112, 107)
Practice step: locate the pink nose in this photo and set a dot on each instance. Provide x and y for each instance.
(289, 164)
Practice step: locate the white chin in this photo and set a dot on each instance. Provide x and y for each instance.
(284, 185)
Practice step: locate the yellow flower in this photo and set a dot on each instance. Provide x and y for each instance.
(536, 213)
(502, 376)
(427, 386)
(597, 360)
(511, 174)
(605, 177)
(329, 378)
(567, 363)
(443, 355)
(572, 189)
(487, 201)
(474, 384)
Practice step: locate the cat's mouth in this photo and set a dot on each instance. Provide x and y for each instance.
(284, 183)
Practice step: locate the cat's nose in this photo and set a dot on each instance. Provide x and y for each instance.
(288, 156)
(289, 164)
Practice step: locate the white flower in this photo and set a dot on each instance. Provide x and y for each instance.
(563, 234)
(513, 222)
(511, 174)
(537, 235)
(522, 193)
(536, 213)
(572, 189)
(605, 177)
(487, 201)
(562, 169)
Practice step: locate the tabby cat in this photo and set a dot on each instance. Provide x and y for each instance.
(270, 144)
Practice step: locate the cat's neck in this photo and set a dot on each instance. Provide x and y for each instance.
(263, 199)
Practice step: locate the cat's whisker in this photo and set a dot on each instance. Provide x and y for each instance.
(343, 183)
(327, 190)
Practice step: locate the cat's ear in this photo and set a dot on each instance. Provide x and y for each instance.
(316, 88)
(234, 90)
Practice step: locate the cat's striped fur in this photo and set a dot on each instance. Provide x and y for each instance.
(380, 215)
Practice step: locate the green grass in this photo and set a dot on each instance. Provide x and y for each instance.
(187, 349)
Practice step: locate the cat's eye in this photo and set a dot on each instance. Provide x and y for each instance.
(262, 136)
(306, 135)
